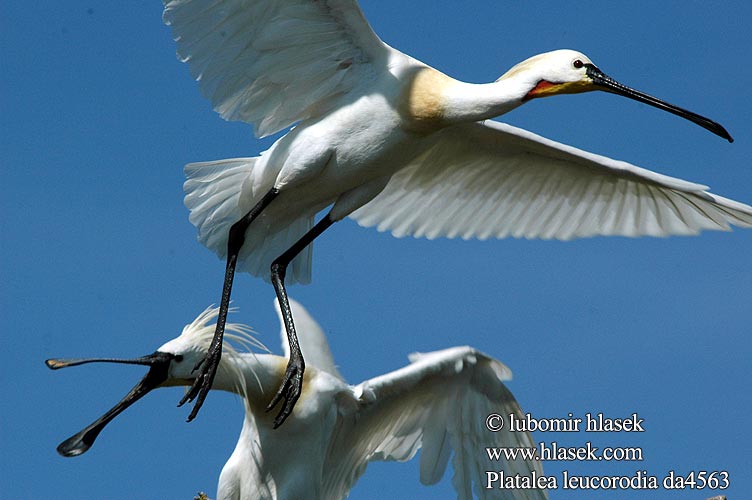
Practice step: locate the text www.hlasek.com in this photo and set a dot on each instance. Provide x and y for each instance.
(552, 451)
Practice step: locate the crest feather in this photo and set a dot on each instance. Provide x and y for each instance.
(241, 337)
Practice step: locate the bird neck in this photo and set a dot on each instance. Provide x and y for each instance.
(469, 102)
(250, 375)
(431, 100)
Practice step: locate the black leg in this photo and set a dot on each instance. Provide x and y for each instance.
(208, 366)
(289, 389)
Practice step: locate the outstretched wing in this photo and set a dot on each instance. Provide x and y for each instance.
(274, 62)
(492, 180)
(438, 404)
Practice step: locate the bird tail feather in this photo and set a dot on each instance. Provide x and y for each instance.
(213, 192)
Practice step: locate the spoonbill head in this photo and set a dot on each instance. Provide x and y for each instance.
(170, 365)
(567, 71)
(436, 404)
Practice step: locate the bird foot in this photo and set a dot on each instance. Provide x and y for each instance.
(207, 369)
(289, 390)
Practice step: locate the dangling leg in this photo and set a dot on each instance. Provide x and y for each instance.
(208, 366)
(293, 381)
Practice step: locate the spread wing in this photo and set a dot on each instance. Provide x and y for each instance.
(438, 404)
(484, 180)
(275, 62)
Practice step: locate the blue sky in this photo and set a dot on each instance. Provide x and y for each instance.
(98, 257)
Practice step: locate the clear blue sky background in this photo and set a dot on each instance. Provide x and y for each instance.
(98, 257)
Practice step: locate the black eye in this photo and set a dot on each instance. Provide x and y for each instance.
(178, 358)
(578, 64)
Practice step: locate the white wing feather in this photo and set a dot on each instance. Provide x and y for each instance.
(483, 180)
(438, 404)
(274, 62)
(313, 343)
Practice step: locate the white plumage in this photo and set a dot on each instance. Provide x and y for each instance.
(270, 62)
(319, 64)
(396, 144)
(437, 404)
(515, 183)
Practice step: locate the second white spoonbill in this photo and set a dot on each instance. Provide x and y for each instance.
(437, 404)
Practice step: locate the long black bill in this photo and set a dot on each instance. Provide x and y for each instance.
(158, 364)
(610, 85)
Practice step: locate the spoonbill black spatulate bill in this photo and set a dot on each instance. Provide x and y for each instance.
(437, 404)
(393, 143)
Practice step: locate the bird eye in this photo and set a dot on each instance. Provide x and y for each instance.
(578, 64)
(178, 358)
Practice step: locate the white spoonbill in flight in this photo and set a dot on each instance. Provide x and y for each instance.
(438, 404)
(395, 144)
